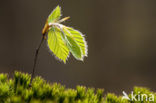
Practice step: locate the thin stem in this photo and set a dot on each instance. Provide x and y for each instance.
(35, 59)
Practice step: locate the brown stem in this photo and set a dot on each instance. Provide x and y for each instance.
(35, 59)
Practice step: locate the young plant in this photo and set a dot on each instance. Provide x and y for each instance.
(62, 40)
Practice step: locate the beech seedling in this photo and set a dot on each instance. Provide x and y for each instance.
(62, 40)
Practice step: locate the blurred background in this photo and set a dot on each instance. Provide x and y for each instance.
(121, 36)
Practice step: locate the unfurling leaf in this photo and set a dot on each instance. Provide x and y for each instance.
(62, 39)
(55, 15)
(79, 39)
(74, 48)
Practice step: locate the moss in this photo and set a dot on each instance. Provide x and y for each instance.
(18, 90)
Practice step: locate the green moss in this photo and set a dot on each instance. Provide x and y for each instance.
(18, 90)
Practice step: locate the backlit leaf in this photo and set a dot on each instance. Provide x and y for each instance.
(79, 39)
(55, 15)
(57, 45)
(74, 48)
(62, 39)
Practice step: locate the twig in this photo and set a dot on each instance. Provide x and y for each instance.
(35, 59)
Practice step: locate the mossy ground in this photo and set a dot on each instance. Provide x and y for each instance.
(18, 90)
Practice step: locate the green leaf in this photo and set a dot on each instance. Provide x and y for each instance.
(78, 38)
(55, 15)
(57, 45)
(74, 48)
(72, 40)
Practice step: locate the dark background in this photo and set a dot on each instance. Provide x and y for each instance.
(121, 36)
